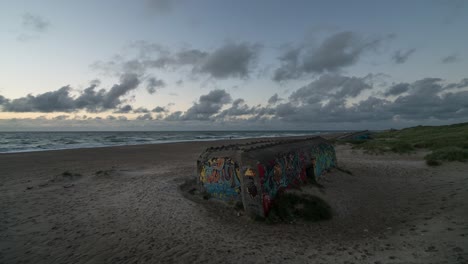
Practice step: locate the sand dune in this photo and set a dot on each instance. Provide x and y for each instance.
(123, 205)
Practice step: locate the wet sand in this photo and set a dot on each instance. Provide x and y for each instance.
(123, 205)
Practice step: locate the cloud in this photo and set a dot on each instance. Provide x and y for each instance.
(160, 109)
(3, 100)
(153, 84)
(231, 60)
(61, 100)
(401, 56)
(141, 110)
(55, 101)
(207, 106)
(145, 117)
(35, 22)
(238, 108)
(100, 100)
(61, 117)
(421, 100)
(398, 89)
(124, 109)
(334, 53)
(331, 86)
(274, 99)
(451, 59)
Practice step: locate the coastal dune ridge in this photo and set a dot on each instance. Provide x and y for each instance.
(123, 204)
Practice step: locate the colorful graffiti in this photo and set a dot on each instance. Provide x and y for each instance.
(257, 181)
(220, 178)
(290, 169)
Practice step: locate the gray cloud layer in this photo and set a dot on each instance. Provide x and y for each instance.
(334, 53)
(330, 98)
(208, 105)
(153, 84)
(231, 60)
(327, 100)
(401, 56)
(61, 100)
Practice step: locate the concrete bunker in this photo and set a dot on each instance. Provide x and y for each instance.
(254, 173)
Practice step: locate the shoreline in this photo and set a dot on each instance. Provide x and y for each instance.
(224, 140)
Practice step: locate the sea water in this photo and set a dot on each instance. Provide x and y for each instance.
(40, 141)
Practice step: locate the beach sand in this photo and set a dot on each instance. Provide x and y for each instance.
(124, 205)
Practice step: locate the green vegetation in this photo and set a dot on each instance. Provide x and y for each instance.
(447, 143)
(289, 207)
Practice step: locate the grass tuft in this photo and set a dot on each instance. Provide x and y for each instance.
(448, 154)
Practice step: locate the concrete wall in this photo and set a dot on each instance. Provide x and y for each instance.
(284, 170)
(257, 175)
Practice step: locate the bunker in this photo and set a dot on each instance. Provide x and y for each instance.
(255, 173)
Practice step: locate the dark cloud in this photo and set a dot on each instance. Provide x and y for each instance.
(451, 59)
(124, 109)
(153, 84)
(175, 116)
(145, 117)
(334, 53)
(35, 22)
(331, 86)
(207, 107)
(238, 108)
(401, 56)
(397, 89)
(231, 60)
(55, 101)
(141, 110)
(160, 109)
(62, 101)
(3, 100)
(418, 101)
(101, 100)
(274, 99)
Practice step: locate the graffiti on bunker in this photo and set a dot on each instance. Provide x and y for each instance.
(220, 178)
(290, 169)
(256, 172)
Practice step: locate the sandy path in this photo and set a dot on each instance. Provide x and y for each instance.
(392, 209)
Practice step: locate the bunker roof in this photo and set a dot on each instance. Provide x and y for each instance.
(261, 149)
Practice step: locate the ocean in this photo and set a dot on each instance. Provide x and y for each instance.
(11, 142)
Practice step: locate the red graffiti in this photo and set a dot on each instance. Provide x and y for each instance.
(266, 204)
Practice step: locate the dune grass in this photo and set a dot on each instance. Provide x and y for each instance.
(447, 143)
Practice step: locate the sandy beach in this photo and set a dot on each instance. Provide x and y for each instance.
(124, 205)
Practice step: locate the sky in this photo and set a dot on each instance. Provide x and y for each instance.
(232, 65)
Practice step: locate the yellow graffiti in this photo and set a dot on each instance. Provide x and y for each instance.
(203, 175)
(250, 173)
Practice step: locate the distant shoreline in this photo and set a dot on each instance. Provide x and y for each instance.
(139, 139)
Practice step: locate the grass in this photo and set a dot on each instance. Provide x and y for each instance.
(289, 207)
(447, 143)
